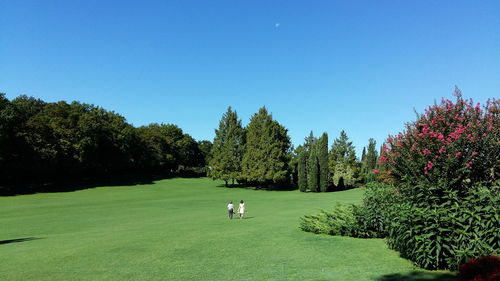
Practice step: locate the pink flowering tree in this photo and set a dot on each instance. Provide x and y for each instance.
(446, 167)
(453, 145)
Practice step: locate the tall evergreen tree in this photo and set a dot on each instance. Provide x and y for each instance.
(302, 174)
(313, 168)
(370, 161)
(323, 161)
(267, 150)
(363, 155)
(342, 164)
(227, 149)
(372, 154)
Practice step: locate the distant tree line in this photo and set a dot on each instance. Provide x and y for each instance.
(261, 154)
(42, 141)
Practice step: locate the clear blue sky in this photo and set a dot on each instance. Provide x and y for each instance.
(362, 66)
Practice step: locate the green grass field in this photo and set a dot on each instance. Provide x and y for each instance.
(177, 229)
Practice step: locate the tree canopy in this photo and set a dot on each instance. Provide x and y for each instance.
(267, 150)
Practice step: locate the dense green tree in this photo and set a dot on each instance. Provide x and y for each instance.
(293, 165)
(313, 168)
(343, 166)
(267, 150)
(302, 171)
(205, 147)
(322, 148)
(369, 162)
(42, 142)
(227, 149)
(168, 147)
(372, 154)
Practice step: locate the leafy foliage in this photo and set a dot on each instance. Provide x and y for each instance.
(380, 207)
(313, 168)
(446, 234)
(42, 142)
(322, 148)
(267, 150)
(338, 221)
(302, 174)
(371, 219)
(446, 164)
(369, 162)
(228, 147)
(343, 166)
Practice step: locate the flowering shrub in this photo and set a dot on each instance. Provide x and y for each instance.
(446, 165)
(480, 269)
(453, 144)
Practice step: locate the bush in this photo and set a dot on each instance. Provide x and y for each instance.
(444, 235)
(445, 165)
(453, 145)
(337, 222)
(380, 207)
(365, 221)
(481, 269)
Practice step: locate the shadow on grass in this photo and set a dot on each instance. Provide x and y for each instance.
(73, 184)
(253, 187)
(2, 242)
(419, 276)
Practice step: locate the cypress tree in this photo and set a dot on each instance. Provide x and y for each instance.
(302, 174)
(313, 168)
(323, 162)
(227, 150)
(370, 162)
(371, 155)
(267, 150)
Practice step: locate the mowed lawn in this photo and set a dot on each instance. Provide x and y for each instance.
(177, 229)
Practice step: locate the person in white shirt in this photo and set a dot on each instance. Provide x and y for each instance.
(241, 209)
(230, 209)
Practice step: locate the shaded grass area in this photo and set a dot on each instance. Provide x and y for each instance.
(177, 229)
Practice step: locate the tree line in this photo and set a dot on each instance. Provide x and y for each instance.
(261, 154)
(45, 141)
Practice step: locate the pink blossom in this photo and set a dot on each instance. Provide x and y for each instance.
(458, 154)
(468, 164)
(375, 171)
(383, 159)
(474, 154)
(442, 149)
(426, 152)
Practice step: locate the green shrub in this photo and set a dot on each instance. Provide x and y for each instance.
(337, 222)
(344, 219)
(439, 162)
(446, 234)
(380, 207)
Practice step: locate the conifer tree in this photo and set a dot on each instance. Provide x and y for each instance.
(370, 161)
(302, 174)
(342, 164)
(313, 168)
(267, 150)
(323, 161)
(371, 155)
(227, 150)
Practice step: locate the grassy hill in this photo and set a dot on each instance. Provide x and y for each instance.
(177, 229)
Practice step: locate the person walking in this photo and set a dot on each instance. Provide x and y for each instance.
(230, 209)
(241, 209)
